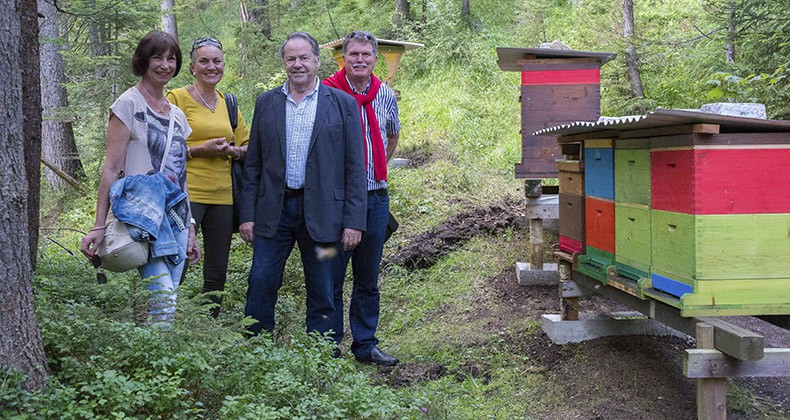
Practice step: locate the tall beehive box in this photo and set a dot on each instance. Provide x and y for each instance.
(689, 208)
(558, 86)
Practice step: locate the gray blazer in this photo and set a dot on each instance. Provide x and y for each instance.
(335, 195)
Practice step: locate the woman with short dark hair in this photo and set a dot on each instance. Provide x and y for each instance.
(138, 133)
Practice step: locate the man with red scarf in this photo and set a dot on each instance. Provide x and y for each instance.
(378, 110)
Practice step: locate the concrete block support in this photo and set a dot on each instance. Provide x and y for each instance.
(547, 276)
(564, 332)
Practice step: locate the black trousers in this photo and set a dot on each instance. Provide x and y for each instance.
(215, 221)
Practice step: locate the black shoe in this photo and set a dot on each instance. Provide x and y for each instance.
(378, 357)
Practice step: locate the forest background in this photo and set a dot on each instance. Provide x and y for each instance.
(460, 129)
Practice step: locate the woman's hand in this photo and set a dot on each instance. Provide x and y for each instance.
(193, 249)
(91, 242)
(212, 147)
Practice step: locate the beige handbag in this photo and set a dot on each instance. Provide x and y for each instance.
(119, 252)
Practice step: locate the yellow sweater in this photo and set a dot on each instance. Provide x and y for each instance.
(208, 178)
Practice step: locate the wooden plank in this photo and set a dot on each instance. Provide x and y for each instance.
(570, 165)
(599, 143)
(672, 130)
(558, 63)
(706, 363)
(603, 134)
(711, 393)
(737, 342)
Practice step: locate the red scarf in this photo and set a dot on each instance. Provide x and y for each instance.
(339, 81)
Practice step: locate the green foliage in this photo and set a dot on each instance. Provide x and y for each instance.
(105, 364)
(460, 120)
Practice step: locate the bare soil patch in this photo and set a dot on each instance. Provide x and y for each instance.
(426, 249)
(631, 377)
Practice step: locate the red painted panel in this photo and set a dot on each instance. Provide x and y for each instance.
(599, 223)
(570, 245)
(742, 181)
(721, 181)
(561, 77)
(671, 180)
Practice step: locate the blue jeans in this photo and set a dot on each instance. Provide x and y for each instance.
(363, 312)
(268, 263)
(164, 280)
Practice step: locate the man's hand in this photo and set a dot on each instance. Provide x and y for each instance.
(351, 238)
(246, 230)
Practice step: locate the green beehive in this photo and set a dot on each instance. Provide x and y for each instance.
(632, 176)
(632, 240)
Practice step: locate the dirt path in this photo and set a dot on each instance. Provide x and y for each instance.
(639, 377)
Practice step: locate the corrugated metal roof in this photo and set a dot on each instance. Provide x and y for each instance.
(663, 117)
(408, 45)
(509, 57)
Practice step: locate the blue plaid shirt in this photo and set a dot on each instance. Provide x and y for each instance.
(299, 122)
(386, 107)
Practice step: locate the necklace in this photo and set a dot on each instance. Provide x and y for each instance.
(210, 108)
(157, 106)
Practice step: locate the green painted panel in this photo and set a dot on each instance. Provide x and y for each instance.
(632, 234)
(632, 176)
(673, 243)
(743, 246)
(595, 262)
(599, 256)
(738, 297)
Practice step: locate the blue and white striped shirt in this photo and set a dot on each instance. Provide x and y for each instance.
(386, 107)
(299, 122)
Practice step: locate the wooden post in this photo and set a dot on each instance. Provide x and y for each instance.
(532, 189)
(569, 305)
(711, 392)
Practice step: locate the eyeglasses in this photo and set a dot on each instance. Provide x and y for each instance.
(206, 40)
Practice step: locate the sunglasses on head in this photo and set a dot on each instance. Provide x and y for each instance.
(361, 34)
(206, 40)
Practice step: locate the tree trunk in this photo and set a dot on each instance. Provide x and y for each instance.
(630, 51)
(169, 17)
(259, 13)
(402, 13)
(465, 8)
(31, 110)
(729, 49)
(20, 338)
(99, 36)
(58, 142)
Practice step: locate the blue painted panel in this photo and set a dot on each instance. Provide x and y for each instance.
(671, 286)
(599, 172)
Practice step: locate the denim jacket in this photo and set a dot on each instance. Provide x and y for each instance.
(153, 208)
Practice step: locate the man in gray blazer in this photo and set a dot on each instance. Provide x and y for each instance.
(304, 183)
